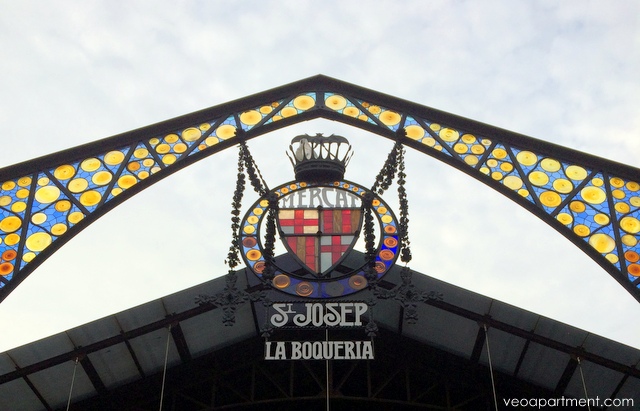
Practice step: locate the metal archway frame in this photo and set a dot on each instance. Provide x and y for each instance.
(592, 201)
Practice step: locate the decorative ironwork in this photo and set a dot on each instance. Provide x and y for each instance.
(592, 201)
(318, 158)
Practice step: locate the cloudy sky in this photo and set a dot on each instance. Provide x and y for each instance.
(75, 72)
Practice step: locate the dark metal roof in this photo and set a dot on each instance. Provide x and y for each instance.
(127, 349)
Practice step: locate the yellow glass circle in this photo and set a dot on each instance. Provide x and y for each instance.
(335, 102)
(127, 181)
(492, 162)
(24, 181)
(389, 118)
(180, 148)
(90, 164)
(12, 239)
(386, 219)
(264, 203)
(113, 158)
(58, 229)
(192, 134)
(251, 117)
(597, 182)
(63, 205)
(141, 153)
(253, 255)
(513, 182)
(468, 138)
(629, 240)
(576, 173)
(351, 111)
(563, 186)
(581, 230)
(613, 259)
(10, 224)
(163, 148)
(577, 206)
(499, 153)
(143, 174)
(415, 132)
(154, 141)
(630, 224)
(252, 219)
(527, 158)
(64, 172)
(593, 195)
(249, 229)
(635, 201)
(622, 207)
(258, 211)
(435, 127)
(38, 241)
(538, 178)
(266, 109)
(617, 182)
(22, 193)
(303, 102)
(382, 210)
(204, 126)
(5, 200)
(460, 148)
(601, 219)
(496, 175)
(619, 194)
(38, 218)
(477, 149)
(226, 131)
(550, 165)
(171, 138)
(602, 243)
(565, 218)
(43, 181)
(47, 195)
(8, 185)
(449, 134)
(288, 112)
(28, 257)
(90, 198)
(506, 167)
(550, 199)
(19, 207)
(148, 162)
(471, 160)
(169, 159)
(101, 178)
(429, 141)
(78, 185)
(633, 186)
(75, 217)
(133, 166)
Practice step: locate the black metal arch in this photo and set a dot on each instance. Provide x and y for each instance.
(592, 201)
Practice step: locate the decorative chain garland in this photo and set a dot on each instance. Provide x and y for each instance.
(392, 166)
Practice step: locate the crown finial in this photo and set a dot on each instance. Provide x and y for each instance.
(318, 158)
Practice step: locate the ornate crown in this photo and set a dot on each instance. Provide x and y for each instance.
(318, 158)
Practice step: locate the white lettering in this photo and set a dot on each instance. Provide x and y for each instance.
(333, 314)
(318, 350)
(320, 196)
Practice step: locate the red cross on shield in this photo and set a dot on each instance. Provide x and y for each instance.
(319, 237)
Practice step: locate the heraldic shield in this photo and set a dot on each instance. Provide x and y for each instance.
(320, 237)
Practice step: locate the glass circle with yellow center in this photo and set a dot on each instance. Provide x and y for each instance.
(538, 178)
(101, 178)
(64, 172)
(562, 185)
(513, 182)
(550, 199)
(550, 165)
(593, 195)
(63, 205)
(601, 219)
(192, 134)
(603, 243)
(414, 132)
(251, 117)
(527, 158)
(303, 102)
(91, 164)
(38, 218)
(351, 111)
(225, 131)
(10, 224)
(47, 194)
(113, 158)
(499, 153)
(630, 224)
(389, 118)
(38, 241)
(633, 186)
(78, 185)
(335, 102)
(90, 198)
(449, 135)
(141, 153)
(330, 278)
(576, 173)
